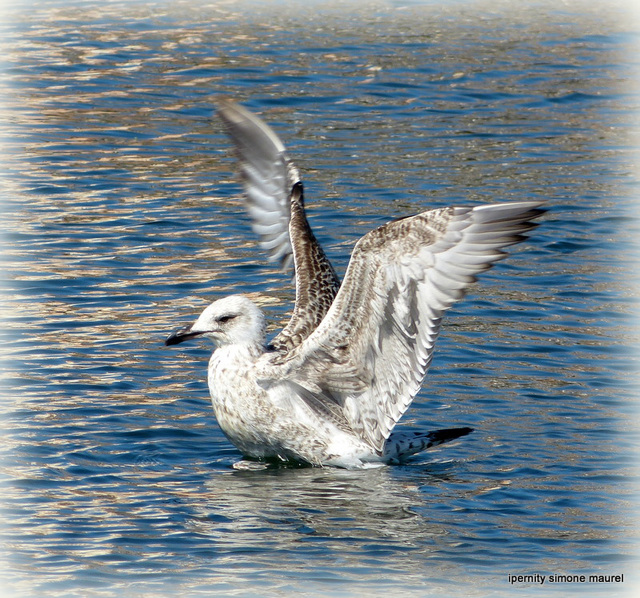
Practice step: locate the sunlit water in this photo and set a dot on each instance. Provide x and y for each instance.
(122, 220)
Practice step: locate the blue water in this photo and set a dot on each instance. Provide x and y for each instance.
(122, 219)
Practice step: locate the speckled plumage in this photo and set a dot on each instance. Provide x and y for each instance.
(275, 201)
(333, 384)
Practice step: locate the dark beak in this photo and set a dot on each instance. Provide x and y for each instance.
(180, 335)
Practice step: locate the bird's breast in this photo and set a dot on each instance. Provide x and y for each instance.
(242, 407)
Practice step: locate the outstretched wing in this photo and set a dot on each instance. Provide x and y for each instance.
(275, 203)
(267, 175)
(372, 350)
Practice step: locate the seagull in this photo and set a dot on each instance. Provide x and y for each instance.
(329, 389)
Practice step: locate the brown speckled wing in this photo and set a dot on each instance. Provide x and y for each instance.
(372, 350)
(275, 202)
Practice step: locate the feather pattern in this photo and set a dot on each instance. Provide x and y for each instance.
(372, 350)
(275, 202)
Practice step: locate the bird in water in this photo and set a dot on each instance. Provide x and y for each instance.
(329, 389)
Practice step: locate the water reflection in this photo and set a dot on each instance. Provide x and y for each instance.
(324, 503)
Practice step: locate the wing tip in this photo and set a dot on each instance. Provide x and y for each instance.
(518, 212)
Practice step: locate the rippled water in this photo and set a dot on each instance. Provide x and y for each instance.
(122, 220)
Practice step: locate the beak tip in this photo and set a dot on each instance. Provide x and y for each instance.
(180, 335)
(177, 336)
(171, 340)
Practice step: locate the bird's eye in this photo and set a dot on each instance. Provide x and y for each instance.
(224, 319)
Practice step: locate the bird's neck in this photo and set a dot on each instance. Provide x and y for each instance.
(230, 366)
(244, 351)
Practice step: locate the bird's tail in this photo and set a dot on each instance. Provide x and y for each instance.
(401, 445)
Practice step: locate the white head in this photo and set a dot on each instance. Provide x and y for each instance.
(229, 321)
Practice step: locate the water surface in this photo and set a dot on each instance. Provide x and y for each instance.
(122, 219)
